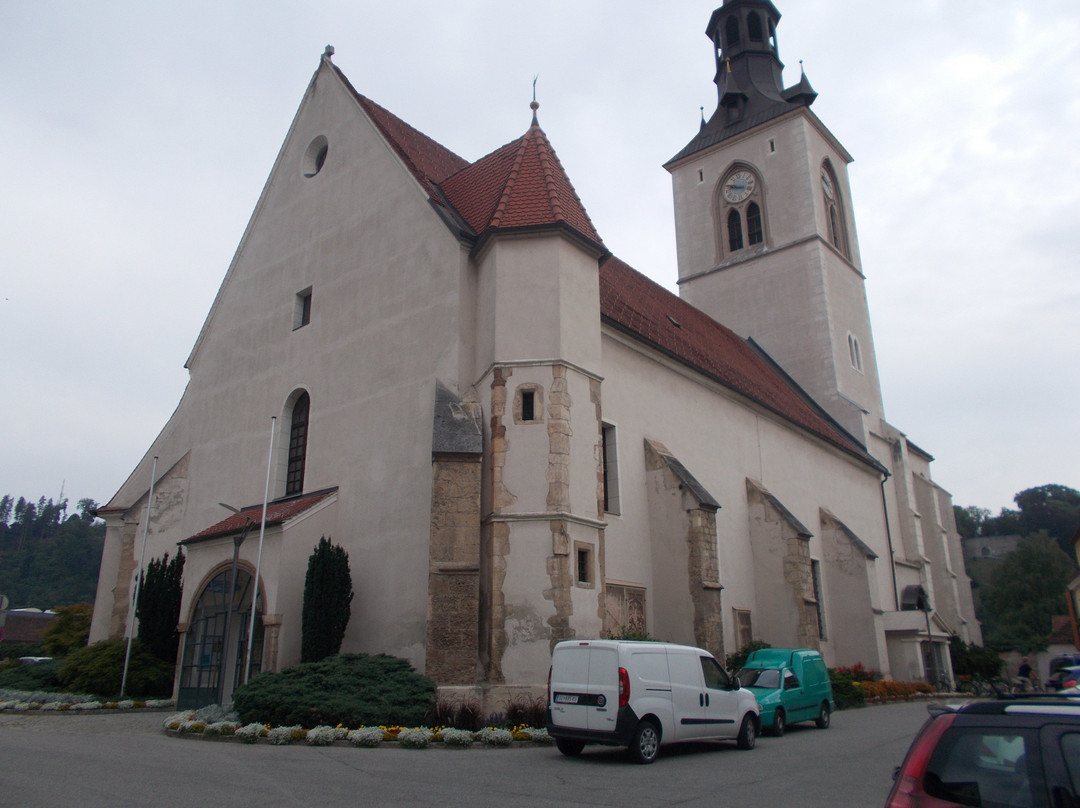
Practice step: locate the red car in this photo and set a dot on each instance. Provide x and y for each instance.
(1011, 751)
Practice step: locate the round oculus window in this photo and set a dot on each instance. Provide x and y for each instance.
(315, 156)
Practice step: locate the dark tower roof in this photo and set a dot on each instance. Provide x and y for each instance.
(749, 73)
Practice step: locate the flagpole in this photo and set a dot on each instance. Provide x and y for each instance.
(138, 579)
(258, 559)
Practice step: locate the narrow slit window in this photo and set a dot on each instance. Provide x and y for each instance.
(815, 574)
(583, 555)
(302, 309)
(528, 405)
(610, 470)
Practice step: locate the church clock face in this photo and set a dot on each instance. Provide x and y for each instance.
(738, 186)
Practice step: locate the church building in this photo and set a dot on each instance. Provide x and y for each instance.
(440, 366)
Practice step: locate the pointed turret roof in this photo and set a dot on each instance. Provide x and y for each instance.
(521, 185)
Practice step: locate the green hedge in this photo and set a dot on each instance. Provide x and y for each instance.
(30, 676)
(353, 690)
(99, 669)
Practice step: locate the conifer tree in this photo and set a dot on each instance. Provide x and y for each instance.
(158, 607)
(328, 595)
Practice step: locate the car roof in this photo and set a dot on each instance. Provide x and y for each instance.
(1028, 704)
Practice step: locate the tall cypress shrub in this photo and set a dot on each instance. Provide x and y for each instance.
(328, 595)
(158, 607)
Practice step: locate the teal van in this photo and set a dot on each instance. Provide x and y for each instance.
(791, 685)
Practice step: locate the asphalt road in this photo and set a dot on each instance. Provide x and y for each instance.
(94, 761)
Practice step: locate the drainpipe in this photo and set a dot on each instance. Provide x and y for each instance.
(888, 537)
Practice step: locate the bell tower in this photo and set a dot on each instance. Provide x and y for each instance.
(764, 225)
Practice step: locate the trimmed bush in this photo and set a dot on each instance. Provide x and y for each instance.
(99, 668)
(845, 692)
(353, 690)
(328, 594)
(36, 676)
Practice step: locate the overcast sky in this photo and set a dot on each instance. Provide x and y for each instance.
(136, 138)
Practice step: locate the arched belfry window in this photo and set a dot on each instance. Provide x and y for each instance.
(742, 210)
(734, 229)
(753, 27)
(298, 431)
(834, 209)
(731, 30)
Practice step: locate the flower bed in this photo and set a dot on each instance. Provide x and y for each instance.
(189, 723)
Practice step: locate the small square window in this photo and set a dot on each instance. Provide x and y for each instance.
(583, 556)
(302, 309)
(529, 404)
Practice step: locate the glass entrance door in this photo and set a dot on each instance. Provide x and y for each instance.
(215, 645)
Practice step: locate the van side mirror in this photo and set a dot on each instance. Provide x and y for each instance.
(735, 685)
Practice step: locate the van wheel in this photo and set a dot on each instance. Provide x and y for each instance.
(747, 737)
(779, 724)
(568, 747)
(822, 720)
(645, 744)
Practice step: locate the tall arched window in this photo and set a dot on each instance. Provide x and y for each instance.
(298, 429)
(754, 233)
(834, 209)
(734, 230)
(741, 210)
(731, 29)
(753, 27)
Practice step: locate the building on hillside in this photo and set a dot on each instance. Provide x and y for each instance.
(520, 439)
(994, 548)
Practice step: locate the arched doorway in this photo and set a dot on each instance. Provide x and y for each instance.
(215, 644)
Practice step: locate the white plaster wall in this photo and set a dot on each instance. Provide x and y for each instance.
(385, 274)
(722, 442)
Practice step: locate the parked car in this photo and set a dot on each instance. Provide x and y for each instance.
(791, 685)
(642, 695)
(1010, 751)
(1066, 677)
(1057, 665)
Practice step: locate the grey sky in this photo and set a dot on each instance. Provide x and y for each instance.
(137, 137)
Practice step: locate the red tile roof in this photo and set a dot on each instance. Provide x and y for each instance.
(428, 161)
(644, 309)
(276, 513)
(522, 184)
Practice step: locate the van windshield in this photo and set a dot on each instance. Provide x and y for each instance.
(759, 677)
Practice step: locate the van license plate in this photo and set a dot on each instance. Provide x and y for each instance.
(566, 698)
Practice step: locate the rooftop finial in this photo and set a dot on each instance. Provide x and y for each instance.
(534, 105)
(802, 70)
(328, 52)
(703, 117)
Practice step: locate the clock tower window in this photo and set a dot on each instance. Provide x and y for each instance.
(740, 210)
(734, 229)
(834, 209)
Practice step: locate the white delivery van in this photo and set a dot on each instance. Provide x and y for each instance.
(644, 694)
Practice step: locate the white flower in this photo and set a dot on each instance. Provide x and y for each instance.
(457, 737)
(322, 735)
(365, 736)
(495, 737)
(417, 738)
